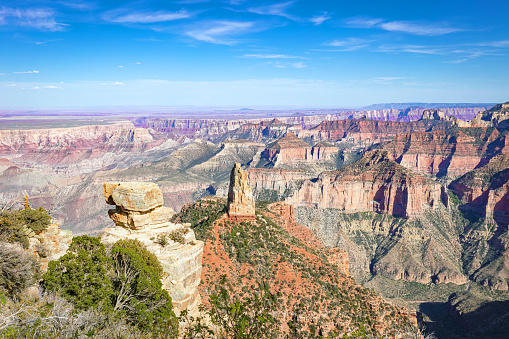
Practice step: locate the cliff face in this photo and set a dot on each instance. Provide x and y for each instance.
(76, 150)
(484, 200)
(215, 128)
(391, 221)
(454, 152)
(140, 214)
(271, 184)
(449, 153)
(374, 183)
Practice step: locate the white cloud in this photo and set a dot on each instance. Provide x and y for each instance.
(418, 28)
(271, 56)
(320, 19)
(275, 9)
(116, 83)
(279, 64)
(27, 72)
(411, 27)
(499, 44)
(147, 17)
(10, 85)
(51, 87)
(42, 19)
(220, 32)
(46, 41)
(348, 45)
(120, 66)
(362, 22)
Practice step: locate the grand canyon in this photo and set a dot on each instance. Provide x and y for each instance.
(412, 203)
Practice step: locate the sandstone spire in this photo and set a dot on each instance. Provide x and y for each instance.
(240, 197)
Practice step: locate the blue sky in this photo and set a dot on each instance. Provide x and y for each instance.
(241, 53)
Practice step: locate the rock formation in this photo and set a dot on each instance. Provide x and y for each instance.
(75, 150)
(50, 244)
(374, 183)
(140, 214)
(271, 184)
(241, 204)
(391, 221)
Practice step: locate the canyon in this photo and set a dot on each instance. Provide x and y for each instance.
(414, 196)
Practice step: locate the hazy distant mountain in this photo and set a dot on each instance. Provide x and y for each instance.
(405, 105)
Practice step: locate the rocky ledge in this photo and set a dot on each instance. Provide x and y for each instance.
(140, 214)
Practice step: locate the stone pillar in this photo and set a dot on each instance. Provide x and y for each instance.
(241, 204)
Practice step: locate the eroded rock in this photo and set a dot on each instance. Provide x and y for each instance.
(140, 214)
(241, 202)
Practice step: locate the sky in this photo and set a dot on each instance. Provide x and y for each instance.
(253, 54)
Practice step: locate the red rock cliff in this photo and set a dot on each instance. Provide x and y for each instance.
(374, 183)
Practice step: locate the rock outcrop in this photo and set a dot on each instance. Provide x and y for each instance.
(373, 183)
(140, 214)
(50, 244)
(241, 204)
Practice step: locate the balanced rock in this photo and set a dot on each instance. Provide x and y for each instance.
(134, 196)
(241, 202)
(140, 214)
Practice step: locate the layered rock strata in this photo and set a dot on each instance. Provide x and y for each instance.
(75, 150)
(273, 184)
(454, 152)
(241, 204)
(140, 214)
(374, 183)
(290, 149)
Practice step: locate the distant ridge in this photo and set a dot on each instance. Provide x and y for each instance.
(405, 105)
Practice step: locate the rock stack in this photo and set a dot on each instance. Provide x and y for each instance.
(140, 214)
(241, 204)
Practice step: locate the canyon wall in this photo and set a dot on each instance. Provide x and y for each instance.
(374, 183)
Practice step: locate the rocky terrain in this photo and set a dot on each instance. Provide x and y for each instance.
(140, 214)
(403, 202)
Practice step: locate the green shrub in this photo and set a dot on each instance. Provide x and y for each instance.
(35, 219)
(12, 231)
(138, 293)
(18, 270)
(82, 275)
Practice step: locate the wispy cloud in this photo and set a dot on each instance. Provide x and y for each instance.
(320, 19)
(116, 83)
(279, 64)
(46, 41)
(349, 44)
(39, 18)
(468, 57)
(79, 5)
(498, 44)
(386, 80)
(52, 87)
(220, 32)
(271, 56)
(278, 9)
(120, 66)
(416, 27)
(27, 72)
(362, 22)
(419, 27)
(119, 16)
